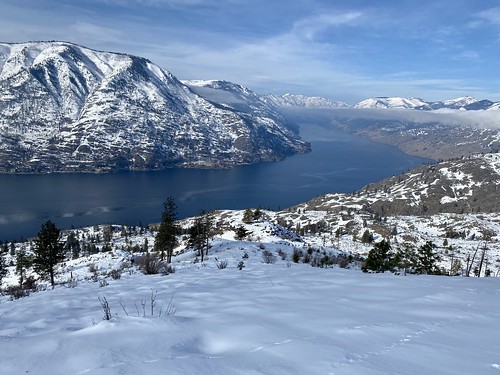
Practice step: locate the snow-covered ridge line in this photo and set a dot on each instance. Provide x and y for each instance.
(462, 103)
(463, 185)
(64, 107)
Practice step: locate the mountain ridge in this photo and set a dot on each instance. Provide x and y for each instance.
(457, 186)
(64, 107)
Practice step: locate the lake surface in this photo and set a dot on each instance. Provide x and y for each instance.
(343, 164)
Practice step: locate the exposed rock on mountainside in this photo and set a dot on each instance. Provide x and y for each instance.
(64, 107)
(465, 185)
(289, 100)
(431, 140)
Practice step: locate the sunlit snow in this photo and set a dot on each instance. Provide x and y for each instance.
(282, 318)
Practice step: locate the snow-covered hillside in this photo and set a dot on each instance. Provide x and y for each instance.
(464, 185)
(412, 103)
(265, 318)
(302, 101)
(64, 107)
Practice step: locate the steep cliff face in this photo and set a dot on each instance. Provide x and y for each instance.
(64, 107)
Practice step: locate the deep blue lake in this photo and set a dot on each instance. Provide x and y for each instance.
(343, 164)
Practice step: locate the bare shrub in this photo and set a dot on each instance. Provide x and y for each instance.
(282, 254)
(115, 274)
(268, 257)
(222, 264)
(149, 264)
(30, 283)
(169, 310)
(297, 255)
(106, 310)
(343, 261)
(16, 292)
(93, 270)
(167, 269)
(71, 283)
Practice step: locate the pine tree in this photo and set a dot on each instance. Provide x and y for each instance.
(406, 258)
(427, 260)
(200, 233)
(166, 238)
(379, 258)
(23, 262)
(248, 216)
(48, 251)
(3, 268)
(240, 233)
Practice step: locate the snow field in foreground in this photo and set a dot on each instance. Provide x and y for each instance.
(265, 319)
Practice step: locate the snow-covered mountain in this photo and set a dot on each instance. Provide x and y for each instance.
(463, 103)
(393, 102)
(301, 101)
(64, 107)
(463, 185)
(234, 97)
(457, 103)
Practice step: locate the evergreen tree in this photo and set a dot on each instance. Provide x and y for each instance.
(406, 258)
(247, 216)
(200, 233)
(379, 258)
(107, 233)
(48, 251)
(3, 268)
(241, 233)
(257, 214)
(166, 238)
(427, 260)
(23, 262)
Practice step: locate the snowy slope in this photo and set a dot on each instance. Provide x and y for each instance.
(64, 107)
(393, 102)
(464, 185)
(302, 101)
(281, 318)
(234, 97)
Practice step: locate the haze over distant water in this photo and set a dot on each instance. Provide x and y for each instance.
(342, 163)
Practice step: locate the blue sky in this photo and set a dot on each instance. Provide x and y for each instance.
(343, 50)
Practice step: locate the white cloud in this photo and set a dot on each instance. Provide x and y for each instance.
(467, 55)
(94, 32)
(492, 15)
(309, 27)
(480, 119)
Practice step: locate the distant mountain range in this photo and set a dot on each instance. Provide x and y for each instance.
(465, 103)
(67, 108)
(64, 108)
